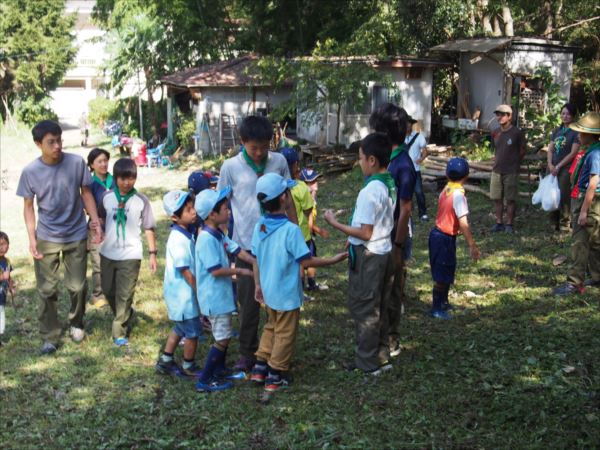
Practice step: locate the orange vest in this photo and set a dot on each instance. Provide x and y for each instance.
(446, 220)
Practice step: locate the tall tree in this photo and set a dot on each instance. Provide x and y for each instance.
(36, 49)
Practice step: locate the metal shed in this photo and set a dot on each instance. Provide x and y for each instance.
(493, 71)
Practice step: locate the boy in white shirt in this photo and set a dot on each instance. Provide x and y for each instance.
(371, 267)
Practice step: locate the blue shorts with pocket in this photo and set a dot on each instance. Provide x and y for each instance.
(189, 328)
(312, 247)
(442, 256)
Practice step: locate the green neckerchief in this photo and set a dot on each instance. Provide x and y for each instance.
(259, 169)
(385, 178)
(121, 218)
(396, 152)
(106, 184)
(590, 149)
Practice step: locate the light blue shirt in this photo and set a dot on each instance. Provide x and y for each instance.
(179, 295)
(591, 166)
(279, 248)
(215, 294)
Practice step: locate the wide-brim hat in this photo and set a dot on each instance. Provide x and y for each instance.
(589, 123)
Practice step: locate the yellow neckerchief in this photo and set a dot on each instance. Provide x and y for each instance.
(453, 186)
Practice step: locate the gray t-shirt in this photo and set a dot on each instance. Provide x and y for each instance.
(57, 191)
(236, 173)
(563, 138)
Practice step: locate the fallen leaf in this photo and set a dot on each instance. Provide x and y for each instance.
(470, 294)
(568, 369)
(559, 260)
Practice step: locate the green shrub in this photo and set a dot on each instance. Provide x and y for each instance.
(30, 111)
(102, 110)
(185, 132)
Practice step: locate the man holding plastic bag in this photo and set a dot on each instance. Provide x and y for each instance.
(585, 245)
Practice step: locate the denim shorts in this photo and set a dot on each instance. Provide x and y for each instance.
(189, 328)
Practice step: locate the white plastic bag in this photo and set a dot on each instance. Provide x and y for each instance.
(548, 193)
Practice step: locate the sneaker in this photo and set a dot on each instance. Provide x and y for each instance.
(447, 307)
(169, 368)
(275, 382)
(193, 372)
(384, 367)
(567, 289)
(497, 228)
(229, 374)
(121, 342)
(244, 364)
(424, 218)
(308, 298)
(213, 386)
(259, 373)
(48, 348)
(509, 229)
(317, 287)
(77, 334)
(443, 315)
(395, 349)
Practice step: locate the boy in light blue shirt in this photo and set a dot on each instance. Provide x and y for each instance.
(281, 252)
(179, 287)
(214, 285)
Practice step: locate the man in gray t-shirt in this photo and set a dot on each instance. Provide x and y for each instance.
(60, 183)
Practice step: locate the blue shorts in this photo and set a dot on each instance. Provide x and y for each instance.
(442, 256)
(189, 328)
(312, 247)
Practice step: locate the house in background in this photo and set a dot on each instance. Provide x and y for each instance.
(220, 95)
(413, 80)
(494, 71)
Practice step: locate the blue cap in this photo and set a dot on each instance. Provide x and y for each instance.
(198, 181)
(174, 200)
(207, 199)
(273, 185)
(457, 168)
(290, 154)
(309, 175)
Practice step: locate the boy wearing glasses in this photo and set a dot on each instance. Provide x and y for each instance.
(509, 146)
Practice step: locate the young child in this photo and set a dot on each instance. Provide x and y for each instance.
(102, 181)
(309, 176)
(281, 251)
(371, 272)
(240, 172)
(585, 245)
(214, 286)
(124, 210)
(6, 283)
(452, 218)
(179, 286)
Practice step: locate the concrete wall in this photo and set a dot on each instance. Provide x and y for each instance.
(416, 98)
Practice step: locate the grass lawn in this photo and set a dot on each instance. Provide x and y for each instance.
(515, 368)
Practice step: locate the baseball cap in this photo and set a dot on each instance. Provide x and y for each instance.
(207, 199)
(457, 168)
(290, 155)
(272, 186)
(309, 175)
(174, 200)
(503, 109)
(198, 181)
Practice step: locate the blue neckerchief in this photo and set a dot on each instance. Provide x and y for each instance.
(183, 231)
(218, 234)
(269, 223)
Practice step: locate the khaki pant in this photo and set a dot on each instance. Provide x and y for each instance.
(504, 186)
(279, 338)
(118, 284)
(369, 289)
(74, 258)
(562, 216)
(249, 314)
(585, 245)
(94, 252)
(396, 302)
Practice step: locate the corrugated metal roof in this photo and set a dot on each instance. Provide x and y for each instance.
(486, 45)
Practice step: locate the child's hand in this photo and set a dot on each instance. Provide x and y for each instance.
(323, 233)
(258, 295)
(329, 216)
(339, 257)
(475, 253)
(582, 220)
(5, 275)
(244, 272)
(152, 263)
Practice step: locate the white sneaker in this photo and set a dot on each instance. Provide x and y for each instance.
(77, 334)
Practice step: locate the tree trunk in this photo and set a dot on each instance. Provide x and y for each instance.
(508, 21)
(338, 113)
(150, 87)
(485, 17)
(497, 29)
(549, 17)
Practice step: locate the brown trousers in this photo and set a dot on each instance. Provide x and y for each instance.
(279, 338)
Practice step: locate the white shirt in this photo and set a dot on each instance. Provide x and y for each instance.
(374, 206)
(416, 148)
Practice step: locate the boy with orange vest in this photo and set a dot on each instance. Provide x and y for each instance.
(451, 220)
